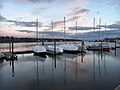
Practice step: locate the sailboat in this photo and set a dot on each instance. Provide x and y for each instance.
(101, 46)
(68, 48)
(39, 50)
(80, 48)
(53, 49)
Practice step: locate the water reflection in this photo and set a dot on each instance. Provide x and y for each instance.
(90, 71)
(1, 60)
(70, 56)
(82, 56)
(13, 69)
(12, 62)
(99, 64)
(37, 58)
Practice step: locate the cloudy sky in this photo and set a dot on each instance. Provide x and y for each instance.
(18, 17)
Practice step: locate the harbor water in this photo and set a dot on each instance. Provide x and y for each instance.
(92, 70)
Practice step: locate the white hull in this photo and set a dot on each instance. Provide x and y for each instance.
(40, 50)
(51, 49)
(69, 48)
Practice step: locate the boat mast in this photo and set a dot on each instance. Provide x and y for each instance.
(105, 30)
(76, 29)
(99, 27)
(94, 27)
(37, 30)
(52, 29)
(64, 31)
(94, 24)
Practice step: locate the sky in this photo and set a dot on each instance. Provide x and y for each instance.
(18, 18)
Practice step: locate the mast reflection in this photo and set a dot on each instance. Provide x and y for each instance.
(99, 65)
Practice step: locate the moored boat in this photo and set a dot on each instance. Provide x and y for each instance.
(69, 48)
(100, 47)
(54, 50)
(40, 50)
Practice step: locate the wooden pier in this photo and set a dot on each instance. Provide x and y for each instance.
(24, 52)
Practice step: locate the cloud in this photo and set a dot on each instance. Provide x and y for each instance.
(26, 31)
(2, 18)
(115, 3)
(82, 28)
(103, 34)
(112, 26)
(78, 11)
(43, 1)
(20, 23)
(88, 35)
(35, 1)
(1, 3)
(74, 18)
(32, 1)
(75, 9)
(47, 34)
(50, 33)
(37, 11)
(56, 34)
(61, 23)
(25, 24)
(57, 23)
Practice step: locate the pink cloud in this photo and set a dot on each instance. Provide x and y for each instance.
(75, 18)
(60, 23)
(15, 33)
(78, 11)
(57, 23)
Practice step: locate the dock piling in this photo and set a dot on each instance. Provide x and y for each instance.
(12, 40)
(9, 44)
(82, 44)
(43, 42)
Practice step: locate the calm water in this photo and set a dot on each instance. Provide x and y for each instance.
(90, 71)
